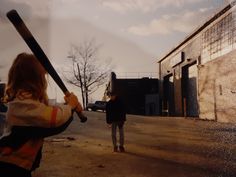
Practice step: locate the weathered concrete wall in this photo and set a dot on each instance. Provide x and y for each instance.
(217, 89)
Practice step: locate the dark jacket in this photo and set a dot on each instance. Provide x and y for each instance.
(115, 111)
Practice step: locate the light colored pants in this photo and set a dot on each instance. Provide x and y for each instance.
(120, 125)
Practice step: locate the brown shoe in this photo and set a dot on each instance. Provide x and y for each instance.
(115, 149)
(122, 149)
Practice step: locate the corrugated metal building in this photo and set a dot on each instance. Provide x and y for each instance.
(197, 77)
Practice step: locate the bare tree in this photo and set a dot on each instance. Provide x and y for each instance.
(86, 72)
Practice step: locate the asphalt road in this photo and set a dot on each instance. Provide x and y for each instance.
(155, 147)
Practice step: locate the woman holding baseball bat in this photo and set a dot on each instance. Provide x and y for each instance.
(29, 117)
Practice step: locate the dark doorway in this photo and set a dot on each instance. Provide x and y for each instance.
(189, 90)
(168, 103)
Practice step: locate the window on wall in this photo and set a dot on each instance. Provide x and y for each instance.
(219, 39)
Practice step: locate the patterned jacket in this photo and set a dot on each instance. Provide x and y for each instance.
(28, 122)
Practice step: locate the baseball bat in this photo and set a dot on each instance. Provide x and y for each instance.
(22, 29)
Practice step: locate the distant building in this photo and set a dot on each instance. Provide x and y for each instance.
(140, 95)
(197, 77)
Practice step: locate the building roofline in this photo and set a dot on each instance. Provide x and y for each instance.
(198, 30)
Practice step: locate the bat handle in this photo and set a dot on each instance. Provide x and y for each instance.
(80, 114)
(78, 110)
(82, 117)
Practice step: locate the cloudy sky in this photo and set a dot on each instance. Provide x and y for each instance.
(133, 33)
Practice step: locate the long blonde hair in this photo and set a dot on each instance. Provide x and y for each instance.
(27, 75)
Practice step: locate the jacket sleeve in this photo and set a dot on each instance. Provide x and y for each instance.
(123, 111)
(36, 114)
(20, 134)
(108, 113)
(39, 132)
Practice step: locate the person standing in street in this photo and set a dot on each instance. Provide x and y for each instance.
(116, 117)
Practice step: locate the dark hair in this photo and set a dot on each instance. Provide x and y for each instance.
(27, 75)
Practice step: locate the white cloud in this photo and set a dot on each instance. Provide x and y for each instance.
(130, 5)
(203, 9)
(26, 8)
(39, 8)
(184, 22)
(123, 6)
(160, 26)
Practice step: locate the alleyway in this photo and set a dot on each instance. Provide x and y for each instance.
(156, 147)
